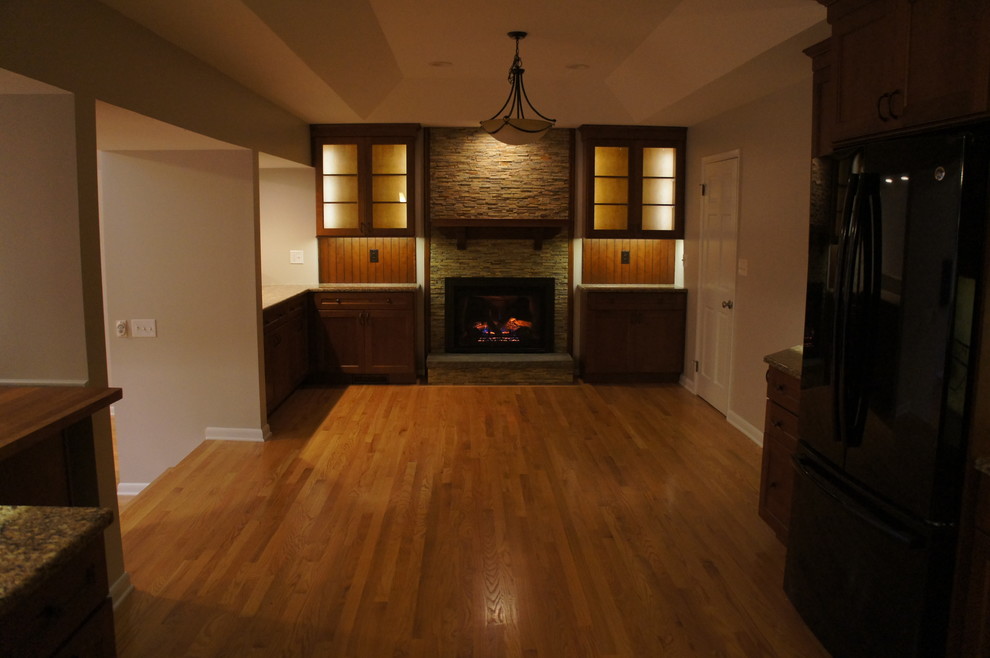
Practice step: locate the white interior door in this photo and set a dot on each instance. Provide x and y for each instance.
(719, 228)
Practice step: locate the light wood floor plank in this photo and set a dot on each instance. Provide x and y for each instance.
(496, 521)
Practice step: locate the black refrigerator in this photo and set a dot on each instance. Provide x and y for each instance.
(896, 247)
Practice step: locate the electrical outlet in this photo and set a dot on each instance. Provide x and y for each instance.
(373, 255)
(295, 256)
(120, 328)
(143, 328)
(624, 257)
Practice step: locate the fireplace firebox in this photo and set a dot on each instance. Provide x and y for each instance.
(499, 314)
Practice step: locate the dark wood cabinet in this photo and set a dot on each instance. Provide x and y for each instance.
(365, 336)
(633, 335)
(633, 181)
(780, 436)
(902, 64)
(823, 98)
(975, 637)
(366, 179)
(286, 349)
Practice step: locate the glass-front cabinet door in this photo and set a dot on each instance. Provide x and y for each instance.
(634, 181)
(366, 183)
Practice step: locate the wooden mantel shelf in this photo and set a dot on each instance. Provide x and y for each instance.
(536, 230)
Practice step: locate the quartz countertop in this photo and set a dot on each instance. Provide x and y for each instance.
(787, 361)
(272, 295)
(36, 541)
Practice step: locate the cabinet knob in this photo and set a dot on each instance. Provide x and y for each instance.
(727, 304)
(337, 300)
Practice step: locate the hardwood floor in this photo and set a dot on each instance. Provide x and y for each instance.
(463, 521)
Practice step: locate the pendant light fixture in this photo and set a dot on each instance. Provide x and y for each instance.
(510, 125)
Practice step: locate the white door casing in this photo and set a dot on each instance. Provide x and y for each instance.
(717, 273)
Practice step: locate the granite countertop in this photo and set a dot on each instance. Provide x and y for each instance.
(36, 541)
(272, 295)
(787, 361)
(629, 287)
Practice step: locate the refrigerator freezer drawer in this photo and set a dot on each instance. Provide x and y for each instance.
(866, 583)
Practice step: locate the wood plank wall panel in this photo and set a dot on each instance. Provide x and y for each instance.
(650, 261)
(346, 260)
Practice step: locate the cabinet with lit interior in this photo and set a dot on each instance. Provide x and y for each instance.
(366, 183)
(633, 181)
(630, 335)
(901, 64)
(365, 337)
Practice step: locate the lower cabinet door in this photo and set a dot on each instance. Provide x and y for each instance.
(341, 343)
(389, 345)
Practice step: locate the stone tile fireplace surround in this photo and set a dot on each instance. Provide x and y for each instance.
(473, 177)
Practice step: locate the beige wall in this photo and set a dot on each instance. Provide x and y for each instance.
(288, 212)
(42, 330)
(773, 136)
(180, 245)
(84, 47)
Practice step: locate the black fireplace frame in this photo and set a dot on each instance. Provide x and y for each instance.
(544, 286)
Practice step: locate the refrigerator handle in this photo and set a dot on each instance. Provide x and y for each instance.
(840, 318)
(870, 516)
(869, 251)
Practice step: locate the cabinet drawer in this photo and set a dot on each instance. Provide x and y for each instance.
(636, 301)
(777, 482)
(363, 300)
(784, 389)
(52, 613)
(781, 420)
(279, 312)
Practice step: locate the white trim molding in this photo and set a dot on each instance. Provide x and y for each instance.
(754, 433)
(131, 488)
(237, 433)
(121, 589)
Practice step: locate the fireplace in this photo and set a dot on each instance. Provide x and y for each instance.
(498, 314)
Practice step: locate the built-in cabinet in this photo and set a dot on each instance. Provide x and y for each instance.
(633, 335)
(286, 349)
(633, 181)
(902, 64)
(780, 438)
(366, 179)
(364, 337)
(976, 625)
(51, 526)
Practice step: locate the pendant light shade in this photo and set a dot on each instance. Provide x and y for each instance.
(510, 125)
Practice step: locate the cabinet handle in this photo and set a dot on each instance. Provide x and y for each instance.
(388, 300)
(890, 104)
(337, 300)
(883, 117)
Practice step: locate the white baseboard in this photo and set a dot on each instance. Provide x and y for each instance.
(131, 488)
(237, 433)
(689, 384)
(43, 382)
(121, 589)
(754, 433)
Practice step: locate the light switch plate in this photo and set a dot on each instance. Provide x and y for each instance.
(295, 255)
(143, 328)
